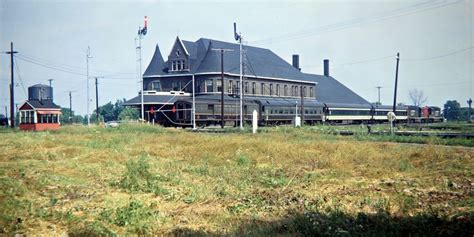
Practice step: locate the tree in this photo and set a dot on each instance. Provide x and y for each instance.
(464, 114)
(452, 110)
(106, 112)
(128, 113)
(68, 117)
(109, 111)
(417, 97)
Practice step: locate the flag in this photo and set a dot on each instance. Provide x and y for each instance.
(144, 30)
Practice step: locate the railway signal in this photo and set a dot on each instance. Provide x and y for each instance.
(238, 37)
(141, 32)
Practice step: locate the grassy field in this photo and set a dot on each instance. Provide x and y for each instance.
(282, 181)
(361, 133)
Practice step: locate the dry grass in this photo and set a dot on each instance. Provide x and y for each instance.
(284, 181)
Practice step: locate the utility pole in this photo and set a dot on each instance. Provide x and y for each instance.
(50, 80)
(70, 107)
(302, 104)
(88, 55)
(16, 110)
(12, 88)
(222, 89)
(469, 102)
(222, 83)
(238, 37)
(396, 82)
(194, 106)
(378, 88)
(97, 99)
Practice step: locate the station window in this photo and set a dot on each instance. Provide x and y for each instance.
(278, 89)
(175, 86)
(230, 88)
(285, 90)
(246, 87)
(262, 89)
(155, 85)
(271, 89)
(219, 85)
(173, 66)
(209, 86)
(254, 88)
(311, 92)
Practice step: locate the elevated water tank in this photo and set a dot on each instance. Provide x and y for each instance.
(40, 92)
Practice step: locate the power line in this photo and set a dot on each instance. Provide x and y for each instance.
(66, 70)
(390, 56)
(412, 9)
(50, 67)
(355, 62)
(19, 77)
(70, 67)
(439, 56)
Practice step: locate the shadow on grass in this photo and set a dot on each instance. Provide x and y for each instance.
(341, 224)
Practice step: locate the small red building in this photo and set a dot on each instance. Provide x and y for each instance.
(39, 112)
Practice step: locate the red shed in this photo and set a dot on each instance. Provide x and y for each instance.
(39, 112)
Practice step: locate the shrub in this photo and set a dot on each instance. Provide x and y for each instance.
(138, 178)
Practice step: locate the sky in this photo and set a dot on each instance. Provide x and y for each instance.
(360, 38)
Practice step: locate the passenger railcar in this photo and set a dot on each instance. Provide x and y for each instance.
(279, 111)
(360, 113)
(283, 111)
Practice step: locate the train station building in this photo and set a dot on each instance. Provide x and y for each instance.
(267, 76)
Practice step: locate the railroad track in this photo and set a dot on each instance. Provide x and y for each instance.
(416, 133)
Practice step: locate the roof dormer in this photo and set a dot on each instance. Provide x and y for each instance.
(178, 59)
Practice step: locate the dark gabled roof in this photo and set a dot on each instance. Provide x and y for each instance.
(43, 104)
(260, 62)
(157, 65)
(191, 47)
(153, 99)
(329, 90)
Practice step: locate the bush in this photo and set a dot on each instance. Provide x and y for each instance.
(135, 216)
(138, 178)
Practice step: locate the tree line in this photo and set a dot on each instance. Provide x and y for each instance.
(108, 112)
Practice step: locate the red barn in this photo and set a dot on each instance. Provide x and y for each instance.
(39, 112)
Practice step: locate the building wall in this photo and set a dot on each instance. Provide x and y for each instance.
(39, 126)
(211, 83)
